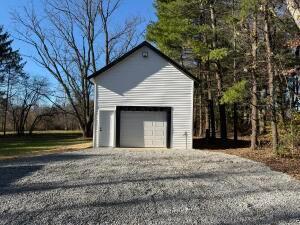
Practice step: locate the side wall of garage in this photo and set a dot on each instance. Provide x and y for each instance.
(148, 81)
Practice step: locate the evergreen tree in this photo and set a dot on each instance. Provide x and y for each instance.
(239, 50)
(10, 60)
(189, 31)
(11, 70)
(5, 52)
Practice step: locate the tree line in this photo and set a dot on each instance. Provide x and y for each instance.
(24, 105)
(246, 54)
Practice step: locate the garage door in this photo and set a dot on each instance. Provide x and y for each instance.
(143, 129)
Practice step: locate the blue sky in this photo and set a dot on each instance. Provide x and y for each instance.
(129, 8)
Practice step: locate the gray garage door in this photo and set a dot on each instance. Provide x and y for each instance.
(143, 129)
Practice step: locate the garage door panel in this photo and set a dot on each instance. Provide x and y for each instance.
(158, 124)
(148, 143)
(159, 128)
(143, 129)
(158, 144)
(148, 125)
(159, 133)
(148, 133)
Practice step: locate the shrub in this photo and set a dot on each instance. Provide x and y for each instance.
(290, 136)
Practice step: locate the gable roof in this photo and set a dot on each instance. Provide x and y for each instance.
(147, 44)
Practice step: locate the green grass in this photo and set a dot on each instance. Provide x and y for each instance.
(12, 145)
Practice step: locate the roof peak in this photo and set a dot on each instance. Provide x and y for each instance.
(157, 51)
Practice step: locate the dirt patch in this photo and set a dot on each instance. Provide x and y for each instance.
(286, 165)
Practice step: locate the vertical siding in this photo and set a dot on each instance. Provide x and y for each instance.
(151, 81)
(95, 124)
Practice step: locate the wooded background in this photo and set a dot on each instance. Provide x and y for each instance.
(244, 52)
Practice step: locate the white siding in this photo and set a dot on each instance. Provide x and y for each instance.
(151, 81)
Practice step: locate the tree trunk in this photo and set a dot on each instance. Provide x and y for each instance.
(107, 57)
(262, 121)
(235, 123)
(200, 130)
(207, 127)
(87, 129)
(35, 122)
(254, 115)
(223, 122)
(222, 110)
(212, 120)
(207, 122)
(294, 8)
(210, 114)
(262, 112)
(235, 113)
(270, 71)
(200, 116)
(6, 104)
(199, 90)
(254, 110)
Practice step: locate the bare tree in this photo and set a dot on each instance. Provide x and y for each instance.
(68, 40)
(113, 48)
(41, 113)
(30, 92)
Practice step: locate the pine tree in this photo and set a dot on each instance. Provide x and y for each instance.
(5, 52)
(11, 69)
(239, 50)
(186, 30)
(270, 72)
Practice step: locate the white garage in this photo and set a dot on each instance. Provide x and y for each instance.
(143, 99)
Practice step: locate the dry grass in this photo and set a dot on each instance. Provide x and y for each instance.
(289, 165)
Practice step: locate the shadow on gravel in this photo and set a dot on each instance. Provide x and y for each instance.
(279, 217)
(10, 174)
(246, 216)
(203, 143)
(15, 169)
(40, 187)
(49, 158)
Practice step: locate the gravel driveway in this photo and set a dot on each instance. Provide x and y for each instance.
(127, 186)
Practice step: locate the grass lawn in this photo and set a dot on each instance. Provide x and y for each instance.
(41, 142)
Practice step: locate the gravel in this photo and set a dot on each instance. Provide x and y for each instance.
(145, 186)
